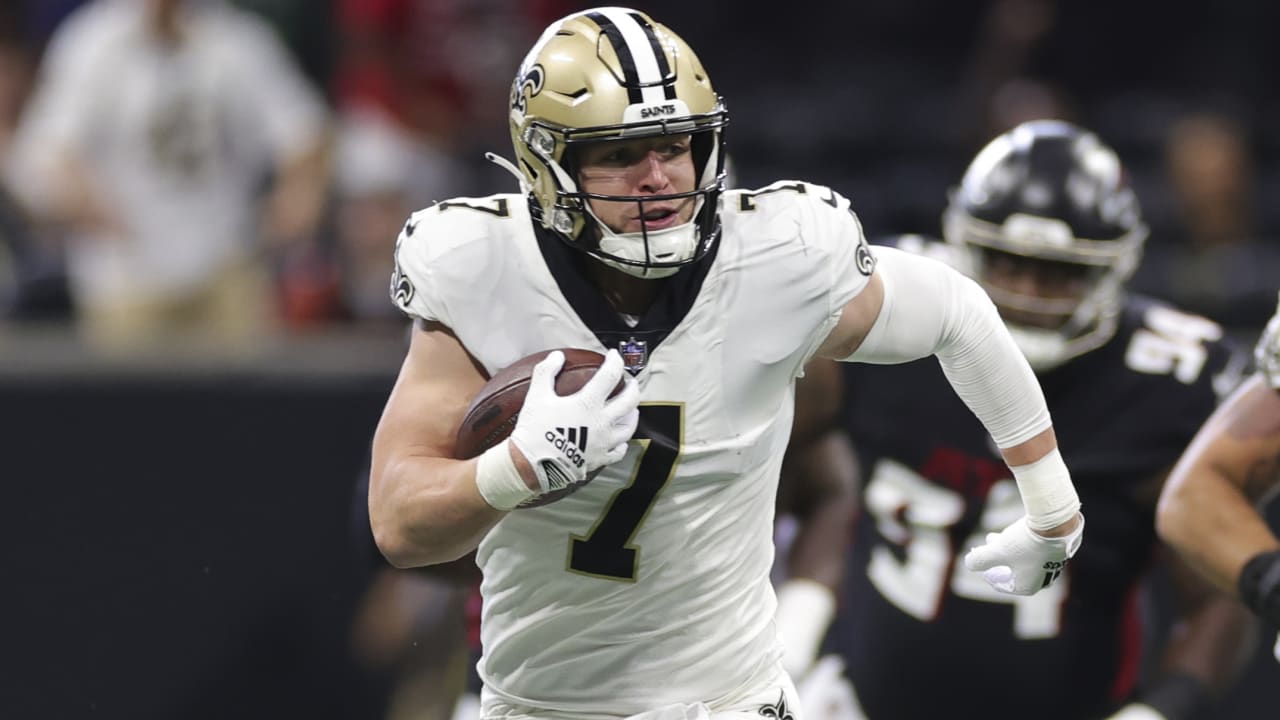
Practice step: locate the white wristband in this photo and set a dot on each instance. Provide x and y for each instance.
(498, 479)
(805, 609)
(1047, 493)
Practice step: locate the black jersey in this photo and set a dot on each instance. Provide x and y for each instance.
(925, 638)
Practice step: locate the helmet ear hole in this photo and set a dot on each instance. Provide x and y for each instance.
(571, 162)
(702, 147)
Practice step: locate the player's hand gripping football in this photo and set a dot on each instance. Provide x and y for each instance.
(567, 437)
(1020, 561)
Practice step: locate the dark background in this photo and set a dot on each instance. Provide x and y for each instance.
(183, 543)
(180, 537)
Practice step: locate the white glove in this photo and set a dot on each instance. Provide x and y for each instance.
(1276, 650)
(805, 609)
(467, 707)
(1021, 562)
(568, 437)
(826, 694)
(1137, 711)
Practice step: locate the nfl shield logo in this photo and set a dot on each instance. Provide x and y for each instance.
(635, 354)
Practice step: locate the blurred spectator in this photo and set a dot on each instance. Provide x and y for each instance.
(152, 128)
(441, 69)
(382, 174)
(421, 88)
(997, 91)
(1212, 176)
(1022, 100)
(32, 286)
(15, 80)
(305, 28)
(1210, 257)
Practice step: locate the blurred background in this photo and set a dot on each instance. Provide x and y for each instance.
(198, 206)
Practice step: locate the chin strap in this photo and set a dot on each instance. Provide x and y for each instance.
(631, 246)
(510, 167)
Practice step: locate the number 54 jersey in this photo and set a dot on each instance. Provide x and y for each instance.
(650, 585)
(920, 632)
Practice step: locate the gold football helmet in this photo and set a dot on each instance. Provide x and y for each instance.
(607, 74)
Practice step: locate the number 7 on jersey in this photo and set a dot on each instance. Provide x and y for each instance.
(607, 551)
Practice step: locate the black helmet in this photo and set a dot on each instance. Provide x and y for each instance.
(1050, 191)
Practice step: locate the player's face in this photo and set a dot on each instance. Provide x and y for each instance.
(1046, 283)
(639, 168)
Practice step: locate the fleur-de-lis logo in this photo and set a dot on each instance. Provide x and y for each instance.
(779, 710)
(401, 287)
(528, 84)
(863, 258)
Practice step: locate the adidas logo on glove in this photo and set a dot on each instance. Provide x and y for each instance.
(572, 442)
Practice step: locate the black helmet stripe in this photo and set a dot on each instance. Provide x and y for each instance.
(644, 67)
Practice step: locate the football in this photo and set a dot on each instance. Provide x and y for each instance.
(494, 411)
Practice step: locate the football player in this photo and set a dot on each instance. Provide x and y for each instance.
(817, 500)
(647, 593)
(1045, 220)
(1209, 508)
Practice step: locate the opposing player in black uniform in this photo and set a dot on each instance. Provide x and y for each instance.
(1045, 220)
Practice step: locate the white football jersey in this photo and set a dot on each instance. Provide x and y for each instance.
(649, 586)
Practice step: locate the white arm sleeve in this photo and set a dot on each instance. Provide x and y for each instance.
(931, 309)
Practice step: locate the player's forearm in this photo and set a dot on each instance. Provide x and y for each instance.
(1205, 516)
(1210, 643)
(297, 200)
(807, 598)
(1207, 648)
(1208, 509)
(818, 553)
(825, 471)
(427, 510)
(827, 468)
(74, 199)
